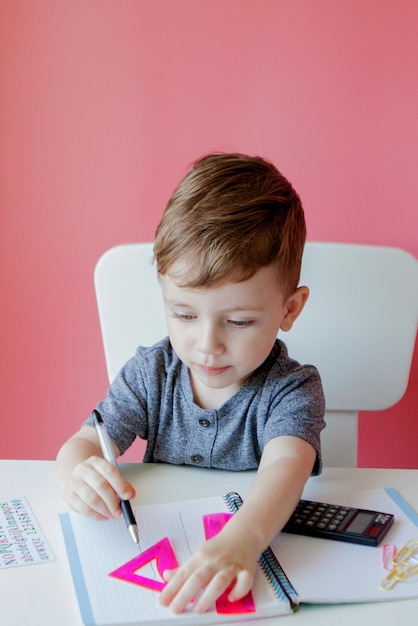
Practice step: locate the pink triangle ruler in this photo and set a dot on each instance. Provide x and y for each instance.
(163, 554)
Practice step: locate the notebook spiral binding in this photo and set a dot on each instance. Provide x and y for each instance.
(269, 563)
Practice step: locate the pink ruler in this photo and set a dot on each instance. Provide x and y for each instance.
(213, 523)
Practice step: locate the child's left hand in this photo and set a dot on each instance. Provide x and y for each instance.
(218, 564)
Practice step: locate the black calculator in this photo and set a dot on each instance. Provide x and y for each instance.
(342, 523)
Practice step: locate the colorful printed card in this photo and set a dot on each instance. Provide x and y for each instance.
(22, 541)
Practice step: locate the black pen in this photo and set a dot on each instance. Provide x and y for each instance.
(109, 455)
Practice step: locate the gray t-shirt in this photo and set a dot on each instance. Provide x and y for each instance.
(152, 398)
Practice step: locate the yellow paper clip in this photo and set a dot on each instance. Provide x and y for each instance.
(405, 565)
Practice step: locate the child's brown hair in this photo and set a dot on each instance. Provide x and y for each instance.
(231, 215)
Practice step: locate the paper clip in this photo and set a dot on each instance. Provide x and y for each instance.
(405, 565)
(388, 555)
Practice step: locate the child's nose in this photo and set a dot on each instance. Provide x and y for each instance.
(210, 340)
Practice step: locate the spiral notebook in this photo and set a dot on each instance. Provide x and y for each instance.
(105, 564)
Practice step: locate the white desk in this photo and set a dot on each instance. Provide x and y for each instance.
(43, 595)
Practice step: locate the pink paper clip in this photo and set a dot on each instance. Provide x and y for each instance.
(388, 553)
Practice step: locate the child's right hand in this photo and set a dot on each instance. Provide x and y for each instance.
(93, 489)
(87, 482)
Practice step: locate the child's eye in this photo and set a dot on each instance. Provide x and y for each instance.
(241, 323)
(186, 317)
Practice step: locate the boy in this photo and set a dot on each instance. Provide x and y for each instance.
(220, 391)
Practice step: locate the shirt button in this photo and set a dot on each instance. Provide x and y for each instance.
(197, 458)
(204, 422)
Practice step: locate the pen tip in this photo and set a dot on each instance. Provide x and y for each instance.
(134, 533)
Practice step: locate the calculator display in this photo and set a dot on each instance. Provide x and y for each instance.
(360, 523)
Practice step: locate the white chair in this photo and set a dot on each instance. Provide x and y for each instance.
(358, 326)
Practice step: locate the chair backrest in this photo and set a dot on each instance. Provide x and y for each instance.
(358, 326)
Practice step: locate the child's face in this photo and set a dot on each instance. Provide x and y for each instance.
(223, 333)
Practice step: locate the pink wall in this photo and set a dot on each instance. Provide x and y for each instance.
(104, 103)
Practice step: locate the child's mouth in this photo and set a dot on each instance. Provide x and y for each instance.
(212, 371)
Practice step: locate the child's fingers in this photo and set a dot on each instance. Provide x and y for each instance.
(183, 585)
(175, 580)
(242, 586)
(94, 494)
(96, 484)
(215, 588)
(202, 585)
(81, 505)
(113, 476)
(168, 574)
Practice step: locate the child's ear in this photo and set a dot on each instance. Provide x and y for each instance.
(293, 307)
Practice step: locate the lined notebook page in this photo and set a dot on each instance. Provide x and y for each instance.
(324, 571)
(97, 548)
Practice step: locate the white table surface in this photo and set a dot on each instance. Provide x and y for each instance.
(43, 595)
